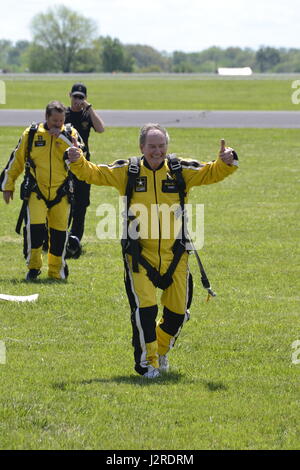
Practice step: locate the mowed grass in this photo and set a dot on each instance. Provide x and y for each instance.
(68, 382)
(154, 93)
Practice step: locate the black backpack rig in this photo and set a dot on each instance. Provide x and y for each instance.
(132, 246)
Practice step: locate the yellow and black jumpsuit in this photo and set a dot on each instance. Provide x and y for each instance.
(151, 339)
(50, 172)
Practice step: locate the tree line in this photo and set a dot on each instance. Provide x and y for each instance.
(64, 41)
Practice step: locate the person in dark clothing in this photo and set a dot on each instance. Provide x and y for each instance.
(83, 117)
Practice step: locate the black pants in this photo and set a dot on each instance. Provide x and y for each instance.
(80, 204)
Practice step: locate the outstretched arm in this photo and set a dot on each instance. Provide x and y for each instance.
(199, 173)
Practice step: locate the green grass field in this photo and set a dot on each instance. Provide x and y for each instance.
(154, 92)
(68, 381)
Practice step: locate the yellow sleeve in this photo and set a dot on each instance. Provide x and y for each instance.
(102, 175)
(15, 165)
(196, 173)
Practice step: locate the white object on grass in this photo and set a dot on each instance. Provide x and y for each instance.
(19, 298)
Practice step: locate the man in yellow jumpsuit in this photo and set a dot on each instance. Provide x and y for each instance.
(49, 171)
(154, 187)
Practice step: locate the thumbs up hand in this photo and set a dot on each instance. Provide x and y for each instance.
(74, 152)
(226, 153)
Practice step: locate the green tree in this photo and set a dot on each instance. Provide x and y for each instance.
(41, 60)
(87, 61)
(147, 58)
(266, 58)
(5, 47)
(64, 33)
(17, 54)
(114, 57)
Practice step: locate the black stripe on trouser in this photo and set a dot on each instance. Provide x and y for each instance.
(190, 291)
(37, 233)
(172, 322)
(147, 317)
(147, 322)
(57, 241)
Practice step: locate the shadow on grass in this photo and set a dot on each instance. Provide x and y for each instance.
(34, 282)
(45, 281)
(164, 379)
(12, 281)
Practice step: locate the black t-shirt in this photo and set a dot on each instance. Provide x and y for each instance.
(82, 122)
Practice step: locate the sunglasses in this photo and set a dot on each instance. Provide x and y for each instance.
(78, 97)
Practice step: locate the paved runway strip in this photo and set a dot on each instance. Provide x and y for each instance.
(213, 119)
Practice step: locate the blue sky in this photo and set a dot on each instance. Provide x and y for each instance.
(169, 25)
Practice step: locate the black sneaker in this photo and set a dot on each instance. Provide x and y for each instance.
(32, 274)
